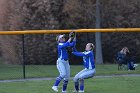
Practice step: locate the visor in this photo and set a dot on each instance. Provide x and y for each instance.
(60, 36)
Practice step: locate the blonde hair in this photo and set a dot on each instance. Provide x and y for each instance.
(57, 38)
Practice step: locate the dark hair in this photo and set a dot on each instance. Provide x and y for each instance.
(92, 46)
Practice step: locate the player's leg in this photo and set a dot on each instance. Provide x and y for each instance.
(81, 85)
(61, 69)
(66, 79)
(76, 80)
(86, 74)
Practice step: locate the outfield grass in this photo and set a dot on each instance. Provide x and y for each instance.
(93, 85)
(34, 71)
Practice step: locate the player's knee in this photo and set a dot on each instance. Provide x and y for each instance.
(81, 78)
(63, 75)
(75, 79)
(66, 78)
(59, 78)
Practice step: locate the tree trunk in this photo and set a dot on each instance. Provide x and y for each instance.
(98, 56)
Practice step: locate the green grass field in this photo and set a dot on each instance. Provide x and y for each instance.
(119, 84)
(93, 85)
(35, 71)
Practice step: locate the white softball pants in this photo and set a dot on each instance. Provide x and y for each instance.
(63, 68)
(84, 74)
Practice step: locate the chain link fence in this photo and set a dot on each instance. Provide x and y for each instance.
(35, 55)
(29, 56)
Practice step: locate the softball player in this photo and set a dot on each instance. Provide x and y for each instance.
(89, 67)
(62, 62)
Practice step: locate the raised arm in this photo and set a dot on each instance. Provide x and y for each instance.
(73, 36)
(61, 45)
(74, 49)
(82, 53)
(72, 44)
(78, 54)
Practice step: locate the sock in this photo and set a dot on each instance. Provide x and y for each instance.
(76, 86)
(65, 83)
(58, 79)
(82, 84)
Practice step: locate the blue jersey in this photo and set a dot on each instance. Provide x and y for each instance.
(62, 51)
(88, 59)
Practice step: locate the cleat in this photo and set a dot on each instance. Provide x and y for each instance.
(55, 88)
(81, 91)
(64, 91)
(75, 91)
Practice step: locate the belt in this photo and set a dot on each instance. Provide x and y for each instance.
(63, 59)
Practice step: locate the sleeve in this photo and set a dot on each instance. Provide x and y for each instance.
(82, 53)
(74, 49)
(72, 44)
(64, 45)
(118, 56)
(78, 54)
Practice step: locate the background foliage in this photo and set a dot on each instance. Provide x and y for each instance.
(65, 14)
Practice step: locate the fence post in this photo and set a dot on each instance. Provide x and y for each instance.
(23, 56)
